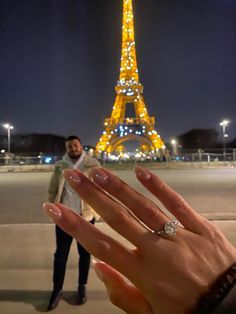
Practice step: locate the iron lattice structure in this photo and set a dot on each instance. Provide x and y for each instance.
(141, 127)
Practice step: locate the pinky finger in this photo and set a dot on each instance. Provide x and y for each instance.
(121, 293)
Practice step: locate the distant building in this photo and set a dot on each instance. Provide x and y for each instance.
(232, 144)
(199, 138)
(34, 143)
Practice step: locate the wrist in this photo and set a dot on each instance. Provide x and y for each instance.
(218, 291)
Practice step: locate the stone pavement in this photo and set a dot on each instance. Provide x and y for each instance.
(26, 270)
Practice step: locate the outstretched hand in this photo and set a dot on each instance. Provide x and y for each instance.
(167, 273)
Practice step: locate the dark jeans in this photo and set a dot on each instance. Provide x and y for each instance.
(63, 243)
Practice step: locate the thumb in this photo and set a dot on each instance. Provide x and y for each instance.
(121, 293)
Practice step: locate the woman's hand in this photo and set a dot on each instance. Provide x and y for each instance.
(168, 272)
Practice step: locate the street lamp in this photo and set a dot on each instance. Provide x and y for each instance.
(174, 146)
(9, 128)
(224, 124)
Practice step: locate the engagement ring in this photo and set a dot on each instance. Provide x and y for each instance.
(169, 228)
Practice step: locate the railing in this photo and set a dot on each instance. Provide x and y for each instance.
(22, 159)
(183, 155)
(131, 121)
(207, 155)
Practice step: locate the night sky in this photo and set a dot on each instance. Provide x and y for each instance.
(59, 63)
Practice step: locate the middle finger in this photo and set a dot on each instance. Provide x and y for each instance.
(114, 213)
(142, 207)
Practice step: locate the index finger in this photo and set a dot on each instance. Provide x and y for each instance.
(95, 241)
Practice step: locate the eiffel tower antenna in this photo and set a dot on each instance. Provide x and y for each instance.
(120, 128)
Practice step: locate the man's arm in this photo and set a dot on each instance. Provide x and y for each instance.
(54, 184)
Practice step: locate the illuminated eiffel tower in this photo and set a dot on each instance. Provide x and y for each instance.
(140, 127)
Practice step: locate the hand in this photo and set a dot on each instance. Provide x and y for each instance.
(168, 273)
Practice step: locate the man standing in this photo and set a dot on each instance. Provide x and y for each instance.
(60, 191)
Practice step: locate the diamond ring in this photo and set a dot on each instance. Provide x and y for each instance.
(169, 228)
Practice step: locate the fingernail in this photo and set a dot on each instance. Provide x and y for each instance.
(72, 176)
(98, 272)
(99, 176)
(142, 173)
(53, 211)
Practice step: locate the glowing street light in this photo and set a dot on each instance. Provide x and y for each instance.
(174, 146)
(224, 124)
(9, 128)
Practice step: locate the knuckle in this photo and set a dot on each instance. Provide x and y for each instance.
(114, 186)
(161, 186)
(151, 210)
(214, 233)
(120, 216)
(119, 188)
(181, 205)
(73, 228)
(88, 193)
(103, 249)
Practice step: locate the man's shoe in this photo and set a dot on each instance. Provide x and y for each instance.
(54, 299)
(82, 295)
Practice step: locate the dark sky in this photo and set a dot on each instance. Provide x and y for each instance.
(59, 63)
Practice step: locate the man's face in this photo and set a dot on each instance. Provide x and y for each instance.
(74, 148)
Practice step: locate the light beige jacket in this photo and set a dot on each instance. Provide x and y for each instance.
(57, 181)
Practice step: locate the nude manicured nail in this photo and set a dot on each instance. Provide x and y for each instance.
(99, 176)
(72, 176)
(142, 173)
(52, 210)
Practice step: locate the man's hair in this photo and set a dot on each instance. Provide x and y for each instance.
(72, 137)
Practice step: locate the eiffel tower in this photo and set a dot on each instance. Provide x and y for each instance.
(140, 127)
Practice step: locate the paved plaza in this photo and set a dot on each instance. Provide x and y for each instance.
(27, 236)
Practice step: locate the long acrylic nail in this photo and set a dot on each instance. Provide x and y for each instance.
(53, 211)
(72, 176)
(99, 176)
(142, 173)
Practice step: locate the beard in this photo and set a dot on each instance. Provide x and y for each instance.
(74, 156)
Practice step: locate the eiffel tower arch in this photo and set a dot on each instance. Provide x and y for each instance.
(120, 128)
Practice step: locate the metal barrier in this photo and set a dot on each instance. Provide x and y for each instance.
(183, 155)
